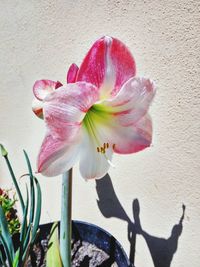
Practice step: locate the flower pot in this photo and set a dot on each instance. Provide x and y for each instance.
(92, 234)
(82, 233)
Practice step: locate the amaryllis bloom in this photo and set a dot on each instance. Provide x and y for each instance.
(102, 110)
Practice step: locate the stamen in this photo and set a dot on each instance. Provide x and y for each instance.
(102, 149)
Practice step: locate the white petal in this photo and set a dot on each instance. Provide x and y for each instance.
(94, 164)
(131, 103)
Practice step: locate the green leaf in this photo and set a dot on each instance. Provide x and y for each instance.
(53, 253)
(16, 259)
(14, 180)
(32, 210)
(32, 205)
(5, 234)
(6, 249)
(23, 228)
(26, 241)
(2, 261)
(38, 211)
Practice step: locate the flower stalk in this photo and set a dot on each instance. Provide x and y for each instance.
(66, 219)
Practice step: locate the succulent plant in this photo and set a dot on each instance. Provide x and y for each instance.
(8, 205)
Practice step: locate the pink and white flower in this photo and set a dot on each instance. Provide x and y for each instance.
(102, 110)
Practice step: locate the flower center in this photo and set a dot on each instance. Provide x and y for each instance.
(96, 122)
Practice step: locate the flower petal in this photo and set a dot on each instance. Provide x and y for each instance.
(42, 88)
(72, 73)
(57, 155)
(68, 105)
(93, 164)
(64, 110)
(131, 103)
(37, 107)
(121, 139)
(108, 65)
(58, 84)
(134, 138)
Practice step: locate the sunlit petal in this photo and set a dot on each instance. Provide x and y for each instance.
(42, 88)
(122, 139)
(68, 105)
(108, 65)
(94, 164)
(134, 138)
(57, 155)
(131, 103)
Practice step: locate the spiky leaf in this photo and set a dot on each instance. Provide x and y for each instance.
(53, 253)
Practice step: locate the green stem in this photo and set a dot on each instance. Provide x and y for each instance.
(65, 223)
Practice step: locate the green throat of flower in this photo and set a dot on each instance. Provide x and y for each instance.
(95, 123)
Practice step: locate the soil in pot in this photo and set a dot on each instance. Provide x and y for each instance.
(91, 247)
(84, 254)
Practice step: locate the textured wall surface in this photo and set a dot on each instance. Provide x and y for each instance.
(40, 39)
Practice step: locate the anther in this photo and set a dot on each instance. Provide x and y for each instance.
(102, 150)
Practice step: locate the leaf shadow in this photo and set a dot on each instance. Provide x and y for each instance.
(161, 249)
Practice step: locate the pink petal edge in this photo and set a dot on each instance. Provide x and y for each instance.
(57, 156)
(72, 73)
(135, 138)
(42, 88)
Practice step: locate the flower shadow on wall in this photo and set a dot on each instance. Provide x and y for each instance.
(162, 250)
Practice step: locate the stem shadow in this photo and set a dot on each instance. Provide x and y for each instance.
(162, 250)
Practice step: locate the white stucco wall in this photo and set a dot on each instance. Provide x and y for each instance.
(40, 39)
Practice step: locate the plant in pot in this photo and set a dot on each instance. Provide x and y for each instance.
(101, 110)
